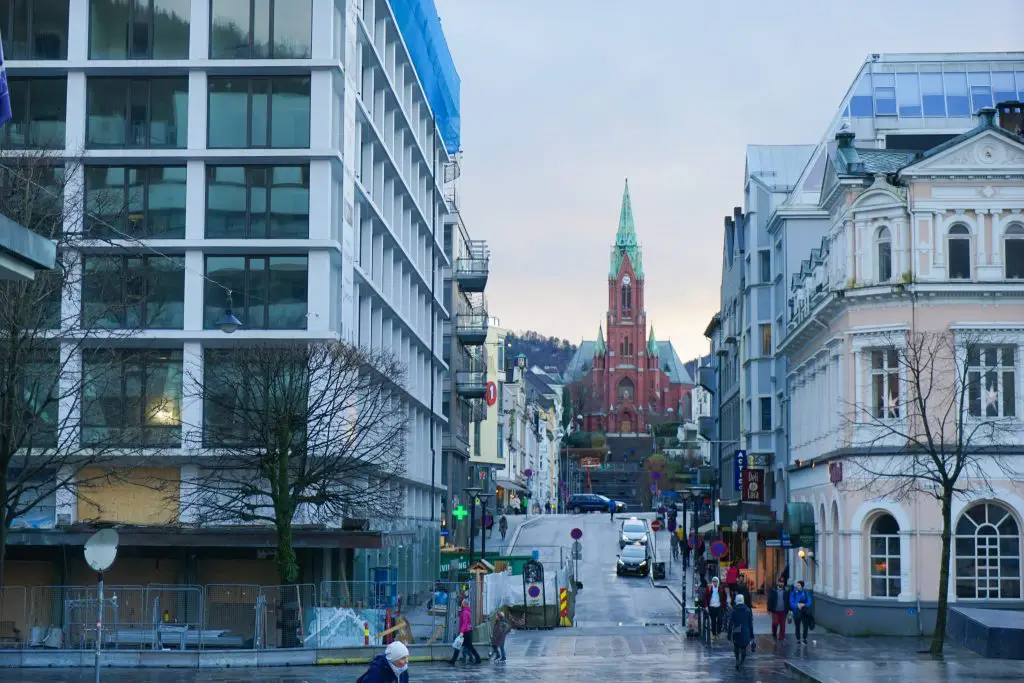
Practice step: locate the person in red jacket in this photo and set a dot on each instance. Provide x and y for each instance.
(715, 602)
(732, 577)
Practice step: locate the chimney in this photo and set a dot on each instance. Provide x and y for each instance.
(737, 213)
(1011, 117)
(845, 137)
(986, 117)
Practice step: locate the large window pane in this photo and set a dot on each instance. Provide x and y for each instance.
(34, 29)
(135, 202)
(261, 29)
(139, 29)
(860, 104)
(137, 113)
(957, 103)
(267, 292)
(908, 95)
(257, 202)
(246, 112)
(287, 293)
(292, 34)
(165, 295)
(885, 93)
(226, 202)
(102, 285)
(933, 97)
(224, 273)
(289, 202)
(133, 292)
(229, 32)
(229, 112)
(1003, 89)
(290, 113)
(38, 108)
(981, 90)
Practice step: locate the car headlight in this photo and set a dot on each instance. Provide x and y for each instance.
(621, 563)
(643, 563)
(625, 539)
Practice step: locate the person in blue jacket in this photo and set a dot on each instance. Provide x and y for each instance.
(800, 603)
(390, 667)
(611, 509)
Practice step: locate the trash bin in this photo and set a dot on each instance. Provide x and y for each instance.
(658, 570)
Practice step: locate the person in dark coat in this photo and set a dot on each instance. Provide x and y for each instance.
(742, 630)
(498, 634)
(390, 667)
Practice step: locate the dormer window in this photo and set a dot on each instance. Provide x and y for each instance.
(959, 252)
(884, 255)
(1013, 251)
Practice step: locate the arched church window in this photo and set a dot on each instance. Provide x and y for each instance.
(625, 391)
(627, 293)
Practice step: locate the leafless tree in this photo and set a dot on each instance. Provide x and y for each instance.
(58, 354)
(934, 424)
(298, 433)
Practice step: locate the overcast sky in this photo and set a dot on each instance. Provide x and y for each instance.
(563, 99)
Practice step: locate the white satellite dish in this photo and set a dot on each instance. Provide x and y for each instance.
(101, 549)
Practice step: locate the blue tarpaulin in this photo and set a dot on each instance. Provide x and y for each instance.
(5, 94)
(420, 27)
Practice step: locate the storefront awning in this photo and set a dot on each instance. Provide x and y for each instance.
(706, 528)
(510, 485)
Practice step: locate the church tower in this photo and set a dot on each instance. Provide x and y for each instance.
(628, 385)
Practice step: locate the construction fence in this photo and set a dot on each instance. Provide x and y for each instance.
(229, 616)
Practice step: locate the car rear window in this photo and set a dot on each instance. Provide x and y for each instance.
(633, 553)
(634, 527)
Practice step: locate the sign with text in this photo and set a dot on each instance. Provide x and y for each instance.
(739, 464)
(590, 461)
(753, 486)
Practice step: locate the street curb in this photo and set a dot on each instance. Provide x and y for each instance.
(515, 535)
(666, 587)
(801, 674)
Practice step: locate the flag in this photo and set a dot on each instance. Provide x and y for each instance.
(5, 94)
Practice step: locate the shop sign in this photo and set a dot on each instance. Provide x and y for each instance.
(753, 486)
(739, 464)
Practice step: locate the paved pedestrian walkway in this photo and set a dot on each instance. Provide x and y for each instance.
(910, 671)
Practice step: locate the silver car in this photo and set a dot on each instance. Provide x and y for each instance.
(634, 531)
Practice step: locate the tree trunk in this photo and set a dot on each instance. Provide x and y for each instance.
(3, 548)
(939, 637)
(287, 564)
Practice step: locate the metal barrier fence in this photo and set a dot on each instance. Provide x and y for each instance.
(236, 616)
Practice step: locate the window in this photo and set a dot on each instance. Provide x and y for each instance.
(959, 253)
(257, 201)
(627, 296)
(884, 255)
(38, 113)
(766, 339)
(933, 95)
(987, 553)
(139, 29)
(860, 103)
(981, 90)
(766, 414)
(908, 96)
(885, 93)
(259, 112)
(625, 390)
(131, 292)
(34, 29)
(991, 381)
(1003, 89)
(147, 113)
(957, 103)
(269, 292)
(36, 394)
(1013, 251)
(885, 557)
(261, 29)
(135, 202)
(885, 384)
(765, 257)
(131, 398)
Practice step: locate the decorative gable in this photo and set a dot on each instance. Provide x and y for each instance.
(991, 152)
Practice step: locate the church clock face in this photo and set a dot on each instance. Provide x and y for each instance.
(625, 279)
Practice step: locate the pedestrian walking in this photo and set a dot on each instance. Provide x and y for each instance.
(675, 546)
(800, 603)
(732, 576)
(611, 509)
(466, 631)
(715, 602)
(741, 589)
(498, 634)
(503, 526)
(390, 667)
(742, 631)
(778, 607)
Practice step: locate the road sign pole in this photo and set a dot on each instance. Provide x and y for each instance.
(99, 625)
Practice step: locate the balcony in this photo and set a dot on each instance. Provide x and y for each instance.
(706, 378)
(471, 383)
(478, 411)
(472, 269)
(706, 427)
(471, 328)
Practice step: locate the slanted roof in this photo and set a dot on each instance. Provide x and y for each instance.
(778, 167)
(668, 360)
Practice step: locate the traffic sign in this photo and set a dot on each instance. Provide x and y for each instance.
(576, 534)
(719, 549)
(444, 532)
(491, 396)
(577, 550)
(655, 475)
(533, 592)
(656, 525)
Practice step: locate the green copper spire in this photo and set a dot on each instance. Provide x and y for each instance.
(599, 348)
(652, 344)
(626, 243)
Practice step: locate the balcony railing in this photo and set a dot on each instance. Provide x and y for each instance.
(471, 270)
(706, 378)
(471, 383)
(471, 328)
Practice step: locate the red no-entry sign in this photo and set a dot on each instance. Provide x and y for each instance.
(656, 525)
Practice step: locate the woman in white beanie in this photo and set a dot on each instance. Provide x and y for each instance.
(390, 667)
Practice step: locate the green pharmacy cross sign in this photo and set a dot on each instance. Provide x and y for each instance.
(460, 513)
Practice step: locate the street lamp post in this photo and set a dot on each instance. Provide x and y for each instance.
(686, 536)
(476, 494)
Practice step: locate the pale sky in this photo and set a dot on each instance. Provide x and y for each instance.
(563, 99)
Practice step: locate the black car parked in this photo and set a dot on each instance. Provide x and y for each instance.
(592, 502)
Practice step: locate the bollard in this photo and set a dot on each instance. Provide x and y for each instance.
(366, 633)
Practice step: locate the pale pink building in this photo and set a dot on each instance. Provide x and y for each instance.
(918, 243)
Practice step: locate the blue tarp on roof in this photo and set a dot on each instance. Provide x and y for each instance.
(420, 26)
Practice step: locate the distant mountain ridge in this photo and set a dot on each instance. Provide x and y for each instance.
(539, 349)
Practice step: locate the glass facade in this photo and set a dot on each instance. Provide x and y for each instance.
(39, 112)
(133, 292)
(34, 29)
(933, 92)
(132, 397)
(268, 292)
(128, 112)
(139, 29)
(259, 112)
(261, 29)
(135, 202)
(257, 202)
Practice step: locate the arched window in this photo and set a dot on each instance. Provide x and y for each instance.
(958, 252)
(625, 390)
(627, 296)
(987, 553)
(885, 557)
(884, 255)
(1013, 251)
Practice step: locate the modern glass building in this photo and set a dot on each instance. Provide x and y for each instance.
(285, 150)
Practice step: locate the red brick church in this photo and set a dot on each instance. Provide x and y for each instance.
(631, 380)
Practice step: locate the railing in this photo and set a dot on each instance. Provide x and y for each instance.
(225, 616)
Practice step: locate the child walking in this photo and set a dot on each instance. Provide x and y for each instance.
(498, 633)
